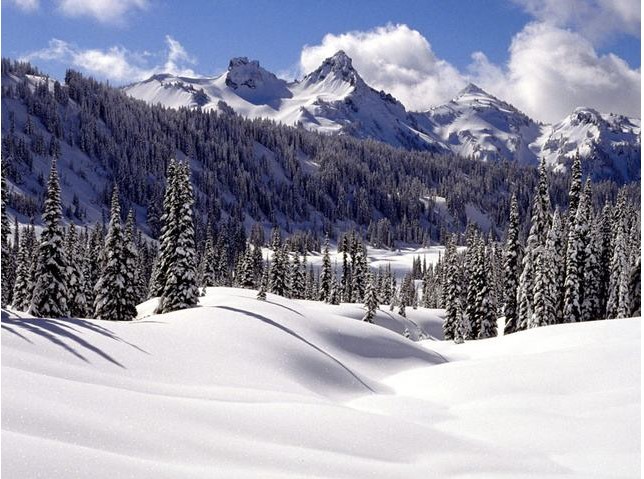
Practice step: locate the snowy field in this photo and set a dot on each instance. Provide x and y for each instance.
(239, 388)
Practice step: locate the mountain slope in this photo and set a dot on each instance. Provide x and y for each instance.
(332, 99)
(335, 99)
(292, 389)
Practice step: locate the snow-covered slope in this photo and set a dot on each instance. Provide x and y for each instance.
(332, 99)
(478, 125)
(335, 99)
(612, 143)
(286, 388)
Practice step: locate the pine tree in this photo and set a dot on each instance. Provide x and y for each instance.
(575, 260)
(169, 232)
(111, 302)
(574, 194)
(180, 290)
(325, 274)
(334, 295)
(7, 256)
(453, 309)
(49, 299)
(511, 269)
(471, 319)
(635, 289)
(77, 303)
(371, 303)
(246, 277)
(22, 286)
(278, 272)
(485, 318)
(261, 293)
(132, 270)
(208, 265)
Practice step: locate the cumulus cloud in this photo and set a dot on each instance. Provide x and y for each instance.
(25, 5)
(394, 58)
(104, 11)
(596, 20)
(116, 63)
(550, 70)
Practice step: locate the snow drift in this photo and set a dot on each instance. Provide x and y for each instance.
(287, 388)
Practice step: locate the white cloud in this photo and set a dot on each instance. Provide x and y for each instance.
(116, 63)
(104, 11)
(394, 58)
(596, 20)
(25, 5)
(550, 70)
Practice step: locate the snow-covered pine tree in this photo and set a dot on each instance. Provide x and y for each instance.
(208, 265)
(401, 304)
(346, 280)
(49, 298)
(7, 256)
(298, 279)
(578, 238)
(22, 286)
(76, 286)
(453, 309)
(131, 264)
(325, 273)
(543, 312)
(486, 315)
(246, 270)
(263, 283)
(169, 233)
(110, 301)
(180, 290)
(574, 195)
(371, 302)
(617, 305)
(590, 308)
(539, 227)
(335, 294)
(471, 319)
(635, 289)
(279, 272)
(359, 273)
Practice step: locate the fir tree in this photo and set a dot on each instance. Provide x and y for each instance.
(371, 303)
(131, 264)
(453, 309)
(49, 299)
(180, 290)
(635, 289)
(511, 269)
(111, 301)
(208, 265)
(325, 274)
(261, 293)
(22, 286)
(7, 256)
(77, 303)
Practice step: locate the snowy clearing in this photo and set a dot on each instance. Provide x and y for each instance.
(287, 388)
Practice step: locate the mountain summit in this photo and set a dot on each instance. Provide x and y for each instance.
(335, 99)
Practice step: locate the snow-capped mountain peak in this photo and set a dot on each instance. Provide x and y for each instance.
(338, 67)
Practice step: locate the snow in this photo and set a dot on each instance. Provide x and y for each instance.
(287, 388)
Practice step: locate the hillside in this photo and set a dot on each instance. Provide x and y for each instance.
(287, 388)
(335, 99)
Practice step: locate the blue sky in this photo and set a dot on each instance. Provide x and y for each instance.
(472, 37)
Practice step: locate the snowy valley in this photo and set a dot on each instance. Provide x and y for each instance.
(284, 388)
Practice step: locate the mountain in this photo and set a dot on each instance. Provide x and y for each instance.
(335, 99)
(332, 99)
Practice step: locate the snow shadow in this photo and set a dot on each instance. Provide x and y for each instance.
(65, 334)
(305, 341)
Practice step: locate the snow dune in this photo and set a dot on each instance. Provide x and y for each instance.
(285, 389)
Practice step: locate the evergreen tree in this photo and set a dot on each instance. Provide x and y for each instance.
(371, 303)
(261, 293)
(278, 272)
(453, 309)
(574, 194)
(617, 305)
(7, 256)
(49, 298)
(77, 303)
(325, 274)
(635, 289)
(22, 286)
(208, 265)
(132, 269)
(511, 269)
(169, 232)
(111, 301)
(180, 290)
